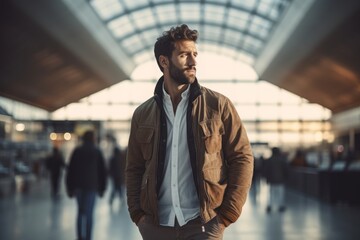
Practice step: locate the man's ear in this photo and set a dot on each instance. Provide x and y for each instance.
(163, 61)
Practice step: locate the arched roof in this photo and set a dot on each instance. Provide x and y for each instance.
(238, 28)
(58, 52)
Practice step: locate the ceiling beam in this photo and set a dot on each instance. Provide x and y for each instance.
(313, 52)
(75, 25)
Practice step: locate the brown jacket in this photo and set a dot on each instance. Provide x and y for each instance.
(220, 153)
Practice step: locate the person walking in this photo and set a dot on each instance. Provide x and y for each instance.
(275, 172)
(116, 172)
(86, 177)
(189, 160)
(55, 163)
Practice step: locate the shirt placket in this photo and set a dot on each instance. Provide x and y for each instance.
(174, 168)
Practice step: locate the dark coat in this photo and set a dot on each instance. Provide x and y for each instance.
(86, 170)
(117, 168)
(55, 162)
(276, 168)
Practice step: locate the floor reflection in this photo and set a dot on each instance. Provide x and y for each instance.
(35, 215)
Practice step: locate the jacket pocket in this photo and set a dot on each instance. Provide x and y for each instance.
(215, 185)
(212, 129)
(144, 136)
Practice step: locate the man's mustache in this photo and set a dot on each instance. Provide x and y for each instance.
(190, 68)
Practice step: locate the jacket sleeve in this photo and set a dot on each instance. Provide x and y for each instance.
(134, 170)
(240, 162)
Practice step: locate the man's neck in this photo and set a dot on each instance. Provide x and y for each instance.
(174, 90)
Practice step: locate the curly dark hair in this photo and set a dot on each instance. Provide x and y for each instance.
(165, 44)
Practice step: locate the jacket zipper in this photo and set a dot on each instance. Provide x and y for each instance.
(195, 130)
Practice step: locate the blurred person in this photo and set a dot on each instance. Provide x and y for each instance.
(299, 159)
(258, 165)
(86, 177)
(350, 157)
(275, 172)
(116, 172)
(255, 185)
(54, 164)
(189, 160)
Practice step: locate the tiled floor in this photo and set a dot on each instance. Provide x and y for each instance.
(35, 216)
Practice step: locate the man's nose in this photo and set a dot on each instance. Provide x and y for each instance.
(192, 60)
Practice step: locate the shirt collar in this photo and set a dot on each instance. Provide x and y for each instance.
(195, 91)
(184, 95)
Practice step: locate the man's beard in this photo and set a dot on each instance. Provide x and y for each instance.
(179, 75)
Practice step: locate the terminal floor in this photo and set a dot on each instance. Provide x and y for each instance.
(34, 215)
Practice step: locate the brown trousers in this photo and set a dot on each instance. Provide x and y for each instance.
(193, 230)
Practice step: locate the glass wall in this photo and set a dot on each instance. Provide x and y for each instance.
(21, 111)
(271, 115)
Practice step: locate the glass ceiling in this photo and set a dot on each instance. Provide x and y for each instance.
(236, 28)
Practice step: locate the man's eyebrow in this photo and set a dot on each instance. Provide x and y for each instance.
(188, 51)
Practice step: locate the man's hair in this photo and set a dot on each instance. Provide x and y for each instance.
(165, 44)
(89, 136)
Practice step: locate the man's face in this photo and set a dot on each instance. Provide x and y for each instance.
(182, 65)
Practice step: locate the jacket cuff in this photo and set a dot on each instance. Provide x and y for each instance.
(135, 216)
(224, 220)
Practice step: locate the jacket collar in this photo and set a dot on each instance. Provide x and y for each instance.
(195, 90)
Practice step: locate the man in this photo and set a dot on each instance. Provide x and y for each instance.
(276, 171)
(86, 177)
(55, 163)
(189, 161)
(116, 172)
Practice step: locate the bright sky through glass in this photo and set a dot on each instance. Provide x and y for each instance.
(270, 113)
(236, 27)
(254, 100)
(210, 66)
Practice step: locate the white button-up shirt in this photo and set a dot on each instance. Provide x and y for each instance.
(178, 197)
